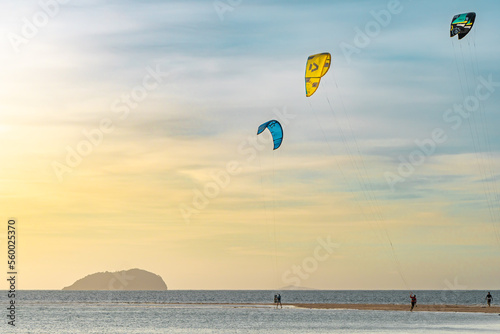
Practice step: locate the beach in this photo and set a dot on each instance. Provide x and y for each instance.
(401, 307)
(363, 307)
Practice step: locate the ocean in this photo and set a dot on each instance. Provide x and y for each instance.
(182, 311)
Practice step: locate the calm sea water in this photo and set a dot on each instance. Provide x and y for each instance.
(194, 312)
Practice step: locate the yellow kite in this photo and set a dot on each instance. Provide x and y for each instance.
(316, 67)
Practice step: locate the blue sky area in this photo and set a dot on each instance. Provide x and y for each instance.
(380, 154)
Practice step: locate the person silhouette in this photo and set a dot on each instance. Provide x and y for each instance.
(489, 298)
(413, 301)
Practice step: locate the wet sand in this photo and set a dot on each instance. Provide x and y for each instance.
(366, 307)
(396, 307)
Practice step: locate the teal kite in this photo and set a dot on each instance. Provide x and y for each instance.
(276, 131)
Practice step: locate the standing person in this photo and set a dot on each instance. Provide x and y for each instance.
(276, 300)
(413, 301)
(489, 298)
(279, 301)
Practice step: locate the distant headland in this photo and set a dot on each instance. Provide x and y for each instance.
(133, 279)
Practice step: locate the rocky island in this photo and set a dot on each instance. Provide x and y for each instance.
(133, 279)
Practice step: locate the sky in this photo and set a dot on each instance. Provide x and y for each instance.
(129, 141)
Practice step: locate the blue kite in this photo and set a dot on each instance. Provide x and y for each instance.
(276, 131)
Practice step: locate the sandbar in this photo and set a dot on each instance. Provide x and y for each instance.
(400, 307)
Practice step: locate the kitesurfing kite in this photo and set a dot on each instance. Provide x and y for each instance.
(461, 24)
(276, 131)
(316, 67)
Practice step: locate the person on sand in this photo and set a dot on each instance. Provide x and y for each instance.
(413, 301)
(276, 300)
(279, 301)
(489, 298)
